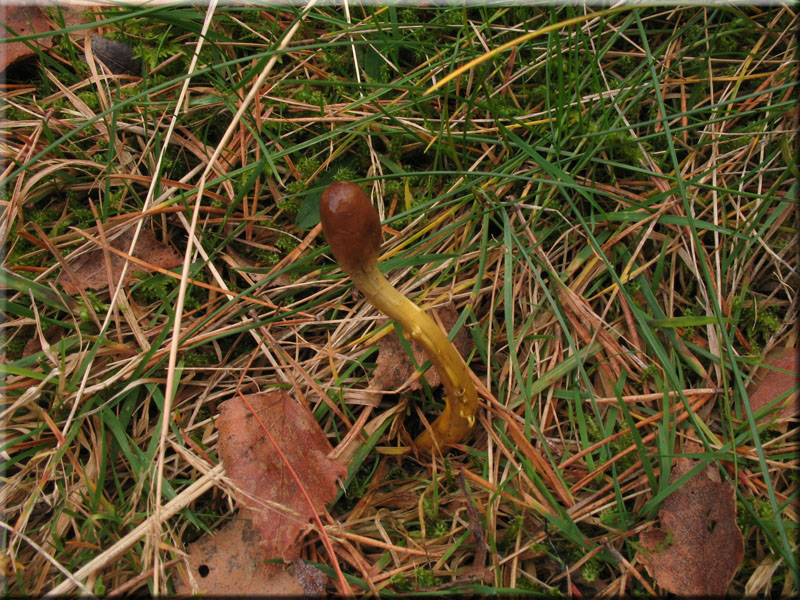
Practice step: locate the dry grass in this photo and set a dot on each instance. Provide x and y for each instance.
(621, 273)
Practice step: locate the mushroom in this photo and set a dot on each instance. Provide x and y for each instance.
(353, 230)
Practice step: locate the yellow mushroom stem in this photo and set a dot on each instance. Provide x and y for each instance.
(353, 230)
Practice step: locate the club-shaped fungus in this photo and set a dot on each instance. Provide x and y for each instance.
(353, 230)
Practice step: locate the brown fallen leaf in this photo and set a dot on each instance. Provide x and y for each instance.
(224, 564)
(394, 367)
(22, 19)
(699, 546)
(769, 384)
(89, 270)
(271, 496)
(26, 18)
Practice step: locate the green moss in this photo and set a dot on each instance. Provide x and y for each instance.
(310, 96)
(268, 258)
(622, 146)
(735, 37)
(345, 173)
(449, 475)
(339, 61)
(504, 107)
(290, 202)
(438, 528)
(408, 16)
(618, 446)
(401, 584)
(591, 569)
(14, 347)
(90, 99)
(286, 242)
(396, 471)
(128, 91)
(527, 584)
(740, 139)
(79, 213)
(625, 65)
(758, 322)
(593, 429)
(509, 536)
(429, 508)
(307, 166)
(44, 217)
(359, 483)
(12, 113)
(649, 373)
(426, 578)
(610, 517)
(160, 288)
(99, 307)
(200, 358)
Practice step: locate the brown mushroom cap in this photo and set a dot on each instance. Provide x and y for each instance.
(351, 226)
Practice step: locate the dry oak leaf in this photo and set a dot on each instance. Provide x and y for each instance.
(270, 494)
(89, 270)
(224, 564)
(770, 384)
(699, 547)
(394, 367)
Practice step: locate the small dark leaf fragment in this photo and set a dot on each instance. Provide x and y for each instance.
(117, 56)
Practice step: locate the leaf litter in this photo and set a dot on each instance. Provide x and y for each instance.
(699, 547)
(89, 270)
(274, 511)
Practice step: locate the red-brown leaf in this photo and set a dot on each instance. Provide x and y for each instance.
(706, 546)
(22, 19)
(26, 18)
(769, 384)
(89, 270)
(275, 503)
